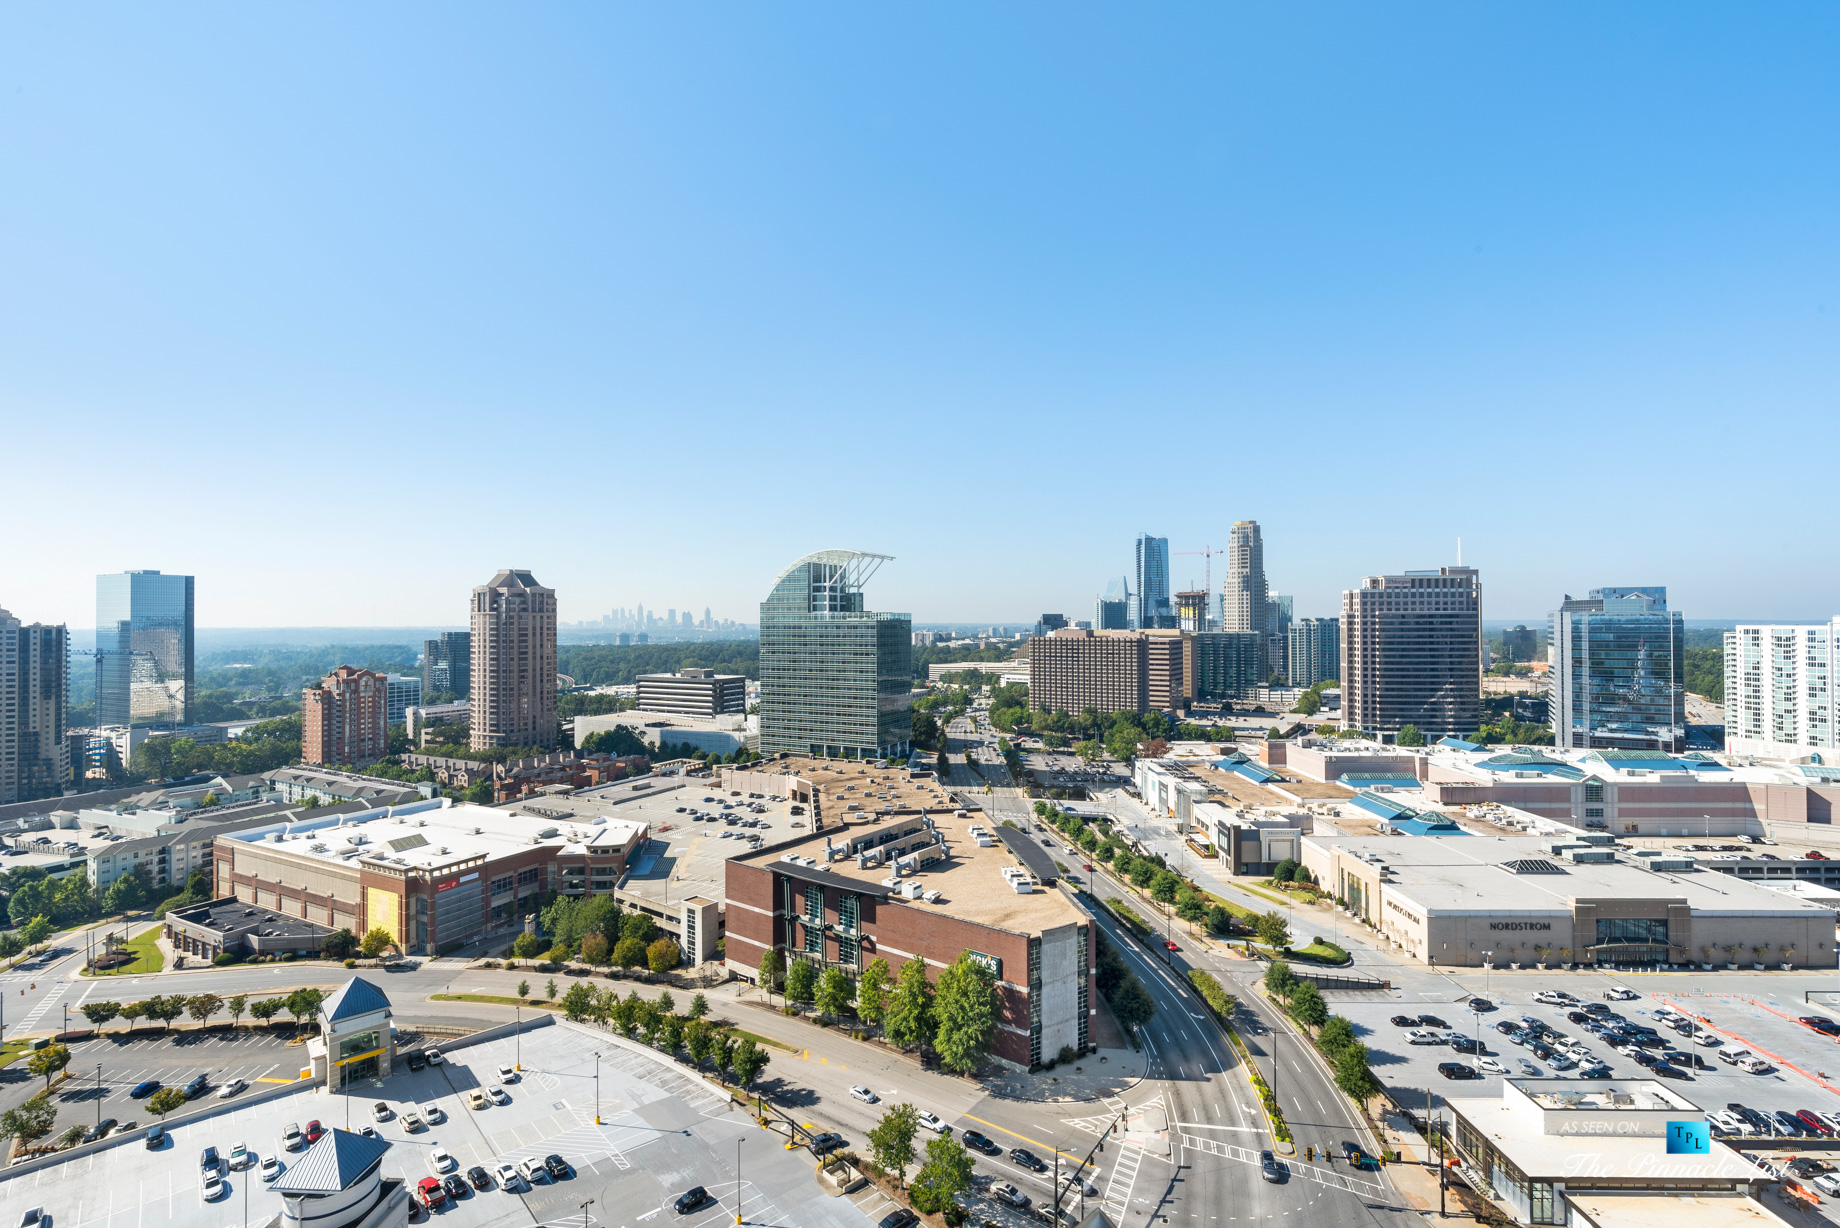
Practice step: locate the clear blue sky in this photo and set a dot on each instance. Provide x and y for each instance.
(342, 308)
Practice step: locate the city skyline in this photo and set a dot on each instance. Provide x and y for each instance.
(1480, 253)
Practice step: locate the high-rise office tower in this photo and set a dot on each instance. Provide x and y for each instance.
(343, 719)
(1780, 696)
(835, 678)
(1152, 581)
(1242, 595)
(514, 662)
(1228, 664)
(1277, 636)
(447, 664)
(1618, 668)
(34, 689)
(1412, 653)
(1112, 611)
(143, 649)
(1315, 651)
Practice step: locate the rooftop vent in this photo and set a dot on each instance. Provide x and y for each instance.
(1532, 865)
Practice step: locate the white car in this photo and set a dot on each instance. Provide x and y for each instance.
(433, 1114)
(412, 1124)
(933, 1123)
(211, 1187)
(435, 1057)
(530, 1168)
(439, 1161)
(271, 1167)
(1707, 1040)
(506, 1176)
(1828, 1184)
(230, 1089)
(859, 1092)
(507, 1075)
(498, 1095)
(1490, 1065)
(1425, 1036)
(1621, 993)
(1560, 1061)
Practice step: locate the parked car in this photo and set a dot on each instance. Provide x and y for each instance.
(435, 1057)
(155, 1138)
(1491, 1066)
(690, 1200)
(899, 1218)
(825, 1143)
(230, 1089)
(412, 1123)
(271, 1167)
(439, 1161)
(530, 1168)
(555, 1166)
(1812, 1120)
(1431, 1021)
(507, 1176)
(144, 1089)
(1481, 1006)
(479, 1177)
(1465, 1044)
(433, 1113)
(429, 1193)
(1456, 1070)
(100, 1130)
(498, 1095)
(211, 1187)
(381, 1111)
(314, 1131)
(507, 1075)
(476, 1099)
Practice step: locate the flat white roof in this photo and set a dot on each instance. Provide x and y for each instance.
(433, 835)
(1453, 875)
(1607, 1155)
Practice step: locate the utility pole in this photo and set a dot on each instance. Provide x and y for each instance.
(1443, 1169)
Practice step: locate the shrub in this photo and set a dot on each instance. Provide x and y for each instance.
(227, 958)
(351, 963)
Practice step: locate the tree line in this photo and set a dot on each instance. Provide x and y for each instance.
(621, 664)
(595, 930)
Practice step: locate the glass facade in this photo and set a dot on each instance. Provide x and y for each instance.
(1228, 664)
(1315, 651)
(143, 649)
(447, 664)
(1632, 931)
(835, 679)
(1619, 672)
(1152, 581)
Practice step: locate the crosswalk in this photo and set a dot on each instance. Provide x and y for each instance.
(1124, 1179)
(1333, 1178)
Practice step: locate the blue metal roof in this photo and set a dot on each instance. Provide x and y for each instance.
(332, 1164)
(1458, 744)
(355, 997)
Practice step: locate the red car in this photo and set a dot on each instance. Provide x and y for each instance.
(314, 1130)
(429, 1191)
(1814, 855)
(1807, 1118)
(1172, 946)
(1086, 866)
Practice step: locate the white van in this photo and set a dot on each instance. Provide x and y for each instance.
(1754, 1065)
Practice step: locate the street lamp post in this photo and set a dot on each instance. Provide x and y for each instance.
(99, 1095)
(597, 1087)
(584, 1212)
(737, 1181)
(517, 1031)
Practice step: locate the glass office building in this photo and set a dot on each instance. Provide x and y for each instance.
(1152, 583)
(1228, 664)
(1619, 672)
(835, 679)
(143, 649)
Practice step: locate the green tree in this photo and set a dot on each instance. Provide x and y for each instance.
(1335, 1035)
(304, 1004)
(236, 1006)
(264, 1010)
(594, 949)
(1190, 906)
(944, 1175)
(1410, 736)
(48, 1061)
(130, 892)
(1307, 1005)
(1284, 871)
(99, 1013)
(549, 990)
(36, 930)
(966, 1009)
(1143, 872)
(1132, 1006)
(166, 1009)
(1352, 1074)
(578, 1001)
(748, 1061)
(666, 1002)
(1274, 930)
(377, 940)
(1219, 920)
(629, 953)
(165, 1101)
(834, 993)
(1164, 886)
(524, 989)
(524, 946)
(772, 968)
(30, 1121)
(202, 1006)
(699, 1041)
(891, 1141)
(699, 1006)
(723, 1054)
(872, 992)
(663, 955)
(801, 981)
(910, 1011)
(1280, 980)
(638, 925)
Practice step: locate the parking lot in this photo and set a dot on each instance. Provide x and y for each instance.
(1797, 1055)
(662, 1132)
(172, 1061)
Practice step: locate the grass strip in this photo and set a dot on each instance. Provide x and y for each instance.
(497, 999)
(147, 956)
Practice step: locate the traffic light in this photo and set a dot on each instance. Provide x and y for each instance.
(1309, 1153)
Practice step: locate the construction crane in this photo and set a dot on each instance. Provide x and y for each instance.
(1208, 553)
